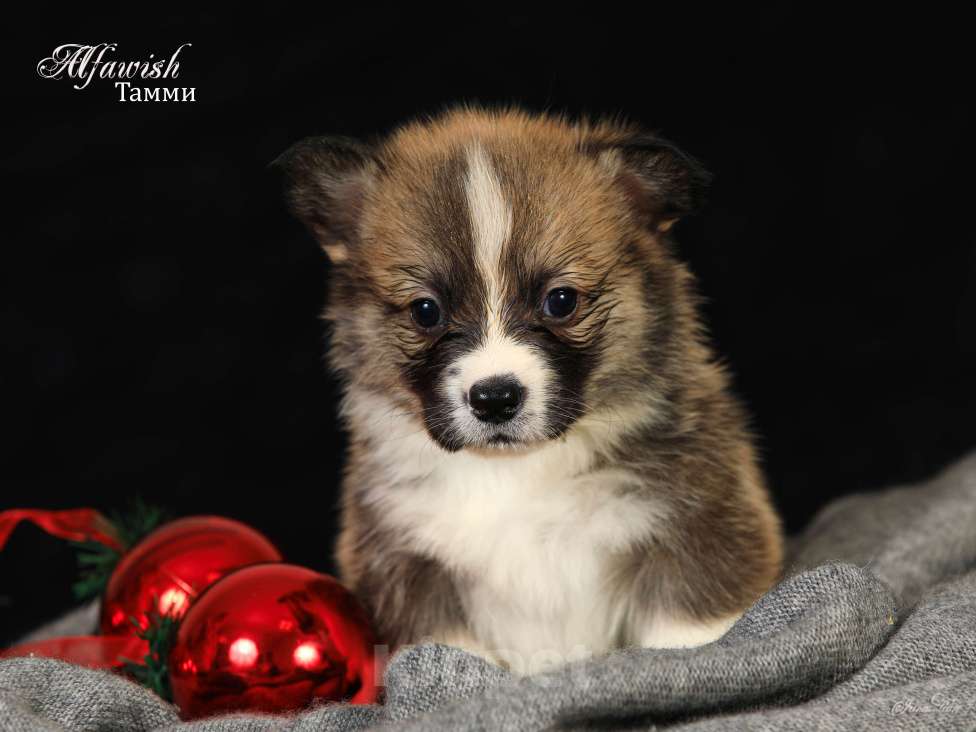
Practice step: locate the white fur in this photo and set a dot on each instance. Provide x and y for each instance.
(668, 632)
(491, 216)
(530, 532)
(498, 354)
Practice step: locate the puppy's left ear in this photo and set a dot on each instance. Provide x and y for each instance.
(326, 181)
(664, 183)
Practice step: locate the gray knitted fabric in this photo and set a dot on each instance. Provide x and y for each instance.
(874, 628)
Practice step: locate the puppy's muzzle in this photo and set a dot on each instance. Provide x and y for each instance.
(496, 399)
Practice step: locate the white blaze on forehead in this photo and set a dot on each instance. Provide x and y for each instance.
(491, 220)
(490, 215)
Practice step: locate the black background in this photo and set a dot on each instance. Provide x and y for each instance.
(159, 313)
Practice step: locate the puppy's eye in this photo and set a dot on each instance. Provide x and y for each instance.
(426, 313)
(560, 303)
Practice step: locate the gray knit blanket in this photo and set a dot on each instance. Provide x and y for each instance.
(874, 628)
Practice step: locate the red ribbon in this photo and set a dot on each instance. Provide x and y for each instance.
(94, 651)
(80, 524)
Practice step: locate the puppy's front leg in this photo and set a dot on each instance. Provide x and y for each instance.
(414, 600)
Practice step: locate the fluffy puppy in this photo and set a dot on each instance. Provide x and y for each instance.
(545, 459)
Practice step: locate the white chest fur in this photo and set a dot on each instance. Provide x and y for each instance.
(532, 533)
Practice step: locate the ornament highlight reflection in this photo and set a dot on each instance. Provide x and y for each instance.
(173, 602)
(243, 653)
(306, 655)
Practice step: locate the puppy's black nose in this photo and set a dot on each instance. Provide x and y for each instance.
(497, 399)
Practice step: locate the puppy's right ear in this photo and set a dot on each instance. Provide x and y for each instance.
(326, 180)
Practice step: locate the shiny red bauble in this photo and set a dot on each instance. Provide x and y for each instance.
(170, 567)
(272, 638)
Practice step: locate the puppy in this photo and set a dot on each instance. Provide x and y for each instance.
(546, 461)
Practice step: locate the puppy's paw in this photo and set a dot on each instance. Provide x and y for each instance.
(665, 631)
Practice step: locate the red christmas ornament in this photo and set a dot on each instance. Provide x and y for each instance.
(272, 638)
(169, 568)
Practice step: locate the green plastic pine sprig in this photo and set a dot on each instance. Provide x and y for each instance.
(96, 561)
(153, 671)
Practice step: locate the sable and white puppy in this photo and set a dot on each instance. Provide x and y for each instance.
(545, 459)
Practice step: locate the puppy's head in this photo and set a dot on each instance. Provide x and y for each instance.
(500, 275)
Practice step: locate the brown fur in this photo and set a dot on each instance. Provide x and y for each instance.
(593, 203)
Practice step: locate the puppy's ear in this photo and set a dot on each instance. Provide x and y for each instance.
(664, 183)
(326, 180)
